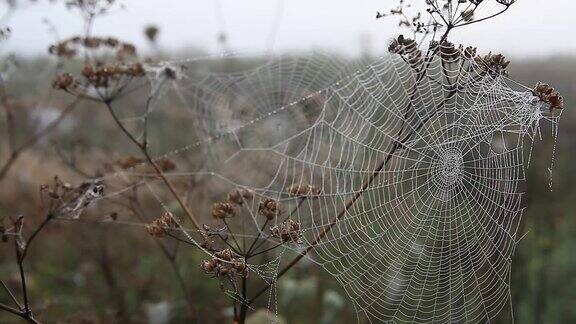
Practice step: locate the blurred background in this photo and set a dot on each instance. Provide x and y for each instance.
(81, 272)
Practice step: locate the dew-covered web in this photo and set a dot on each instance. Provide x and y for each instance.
(421, 174)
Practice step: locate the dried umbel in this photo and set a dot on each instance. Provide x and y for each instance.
(64, 81)
(303, 190)
(67, 201)
(91, 7)
(222, 210)
(494, 64)
(225, 264)
(449, 52)
(269, 208)
(406, 47)
(100, 76)
(110, 66)
(70, 47)
(548, 95)
(287, 232)
(239, 196)
(160, 226)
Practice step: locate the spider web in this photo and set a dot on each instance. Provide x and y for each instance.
(421, 174)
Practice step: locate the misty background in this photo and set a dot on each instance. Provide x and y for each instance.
(531, 28)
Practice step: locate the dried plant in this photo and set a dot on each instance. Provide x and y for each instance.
(59, 200)
(234, 239)
(112, 70)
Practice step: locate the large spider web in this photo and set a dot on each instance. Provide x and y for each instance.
(421, 174)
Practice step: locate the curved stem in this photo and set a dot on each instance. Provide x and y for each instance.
(143, 148)
(30, 142)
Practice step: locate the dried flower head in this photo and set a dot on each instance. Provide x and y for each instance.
(407, 48)
(69, 48)
(268, 208)
(239, 196)
(64, 81)
(151, 33)
(208, 265)
(222, 210)
(225, 264)
(303, 190)
(494, 64)
(225, 255)
(547, 94)
(287, 232)
(160, 226)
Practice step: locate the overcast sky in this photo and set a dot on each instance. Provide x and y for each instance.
(529, 28)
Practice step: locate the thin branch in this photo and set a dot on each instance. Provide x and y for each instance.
(16, 153)
(10, 294)
(48, 218)
(144, 150)
(171, 257)
(11, 310)
(487, 17)
(266, 250)
(257, 238)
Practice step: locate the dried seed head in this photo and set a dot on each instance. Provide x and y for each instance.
(495, 64)
(151, 33)
(240, 265)
(222, 210)
(239, 196)
(162, 225)
(112, 42)
(547, 94)
(407, 48)
(125, 51)
(303, 190)
(136, 70)
(154, 230)
(287, 232)
(225, 255)
(208, 266)
(269, 208)
(225, 263)
(88, 71)
(63, 81)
